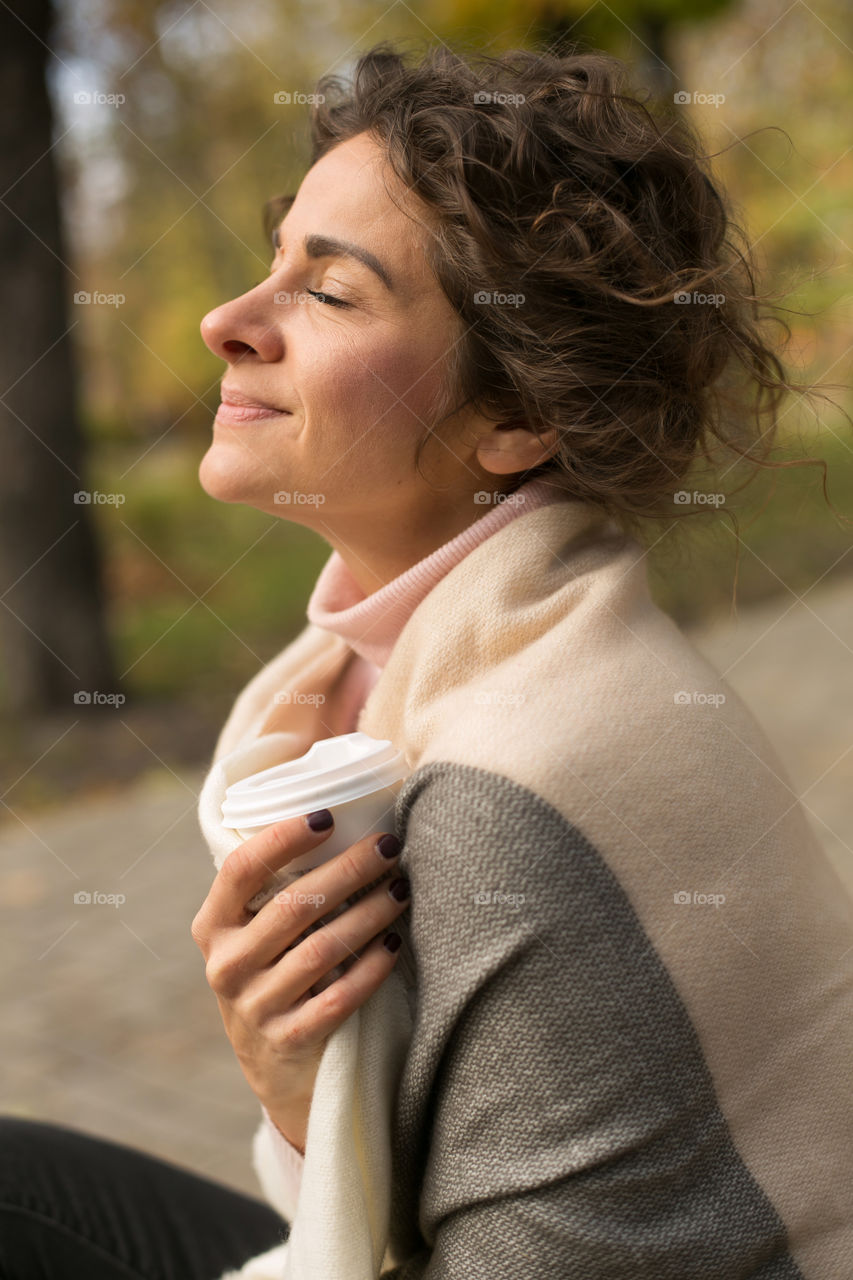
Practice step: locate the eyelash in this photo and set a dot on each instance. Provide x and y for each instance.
(327, 298)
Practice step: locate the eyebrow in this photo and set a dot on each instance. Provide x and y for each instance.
(317, 246)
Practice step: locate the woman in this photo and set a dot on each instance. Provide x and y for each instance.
(629, 961)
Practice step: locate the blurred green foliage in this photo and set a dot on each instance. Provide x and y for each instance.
(202, 593)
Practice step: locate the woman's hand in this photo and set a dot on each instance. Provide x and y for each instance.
(262, 968)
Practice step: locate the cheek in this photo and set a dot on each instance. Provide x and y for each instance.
(382, 384)
(403, 405)
(413, 374)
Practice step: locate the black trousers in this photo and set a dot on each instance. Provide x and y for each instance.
(75, 1207)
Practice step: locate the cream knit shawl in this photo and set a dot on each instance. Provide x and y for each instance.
(341, 1227)
(540, 657)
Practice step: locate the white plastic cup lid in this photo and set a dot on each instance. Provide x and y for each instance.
(333, 771)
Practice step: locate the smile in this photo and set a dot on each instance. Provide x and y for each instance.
(236, 407)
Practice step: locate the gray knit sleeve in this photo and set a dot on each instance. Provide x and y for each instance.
(556, 1116)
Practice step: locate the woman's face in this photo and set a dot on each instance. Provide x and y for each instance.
(352, 387)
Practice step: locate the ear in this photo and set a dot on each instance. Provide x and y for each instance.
(514, 446)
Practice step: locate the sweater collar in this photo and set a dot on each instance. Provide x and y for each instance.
(371, 624)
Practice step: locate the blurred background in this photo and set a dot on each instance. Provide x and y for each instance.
(140, 139)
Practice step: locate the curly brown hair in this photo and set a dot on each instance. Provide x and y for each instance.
(632, 325)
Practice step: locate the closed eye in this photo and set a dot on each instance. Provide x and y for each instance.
(327, 298)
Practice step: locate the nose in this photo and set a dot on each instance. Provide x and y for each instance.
(243, 327)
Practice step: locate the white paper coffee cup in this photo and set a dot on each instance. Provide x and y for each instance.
(354, 775)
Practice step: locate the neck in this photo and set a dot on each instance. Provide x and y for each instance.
(377, 555)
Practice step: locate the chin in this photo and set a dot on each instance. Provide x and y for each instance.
(222, 477)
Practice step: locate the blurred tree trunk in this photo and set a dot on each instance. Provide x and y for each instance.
(52, 626)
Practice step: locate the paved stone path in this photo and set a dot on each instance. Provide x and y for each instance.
(792, 664)
(108, 1023)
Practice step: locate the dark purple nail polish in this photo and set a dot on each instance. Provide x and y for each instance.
(321, 820)
(391, 941)
(388, 846)
(399, 889)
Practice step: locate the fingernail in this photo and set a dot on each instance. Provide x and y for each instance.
(399, 889)
(391, 941)
(388, 846)
(321, 820)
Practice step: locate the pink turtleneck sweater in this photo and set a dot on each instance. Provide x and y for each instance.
(371, 625)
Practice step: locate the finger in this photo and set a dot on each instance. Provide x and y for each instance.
(334, 941)
(332, 887)
(322, 1014)
(248, 868)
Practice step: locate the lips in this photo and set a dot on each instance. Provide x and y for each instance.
(238, 407)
